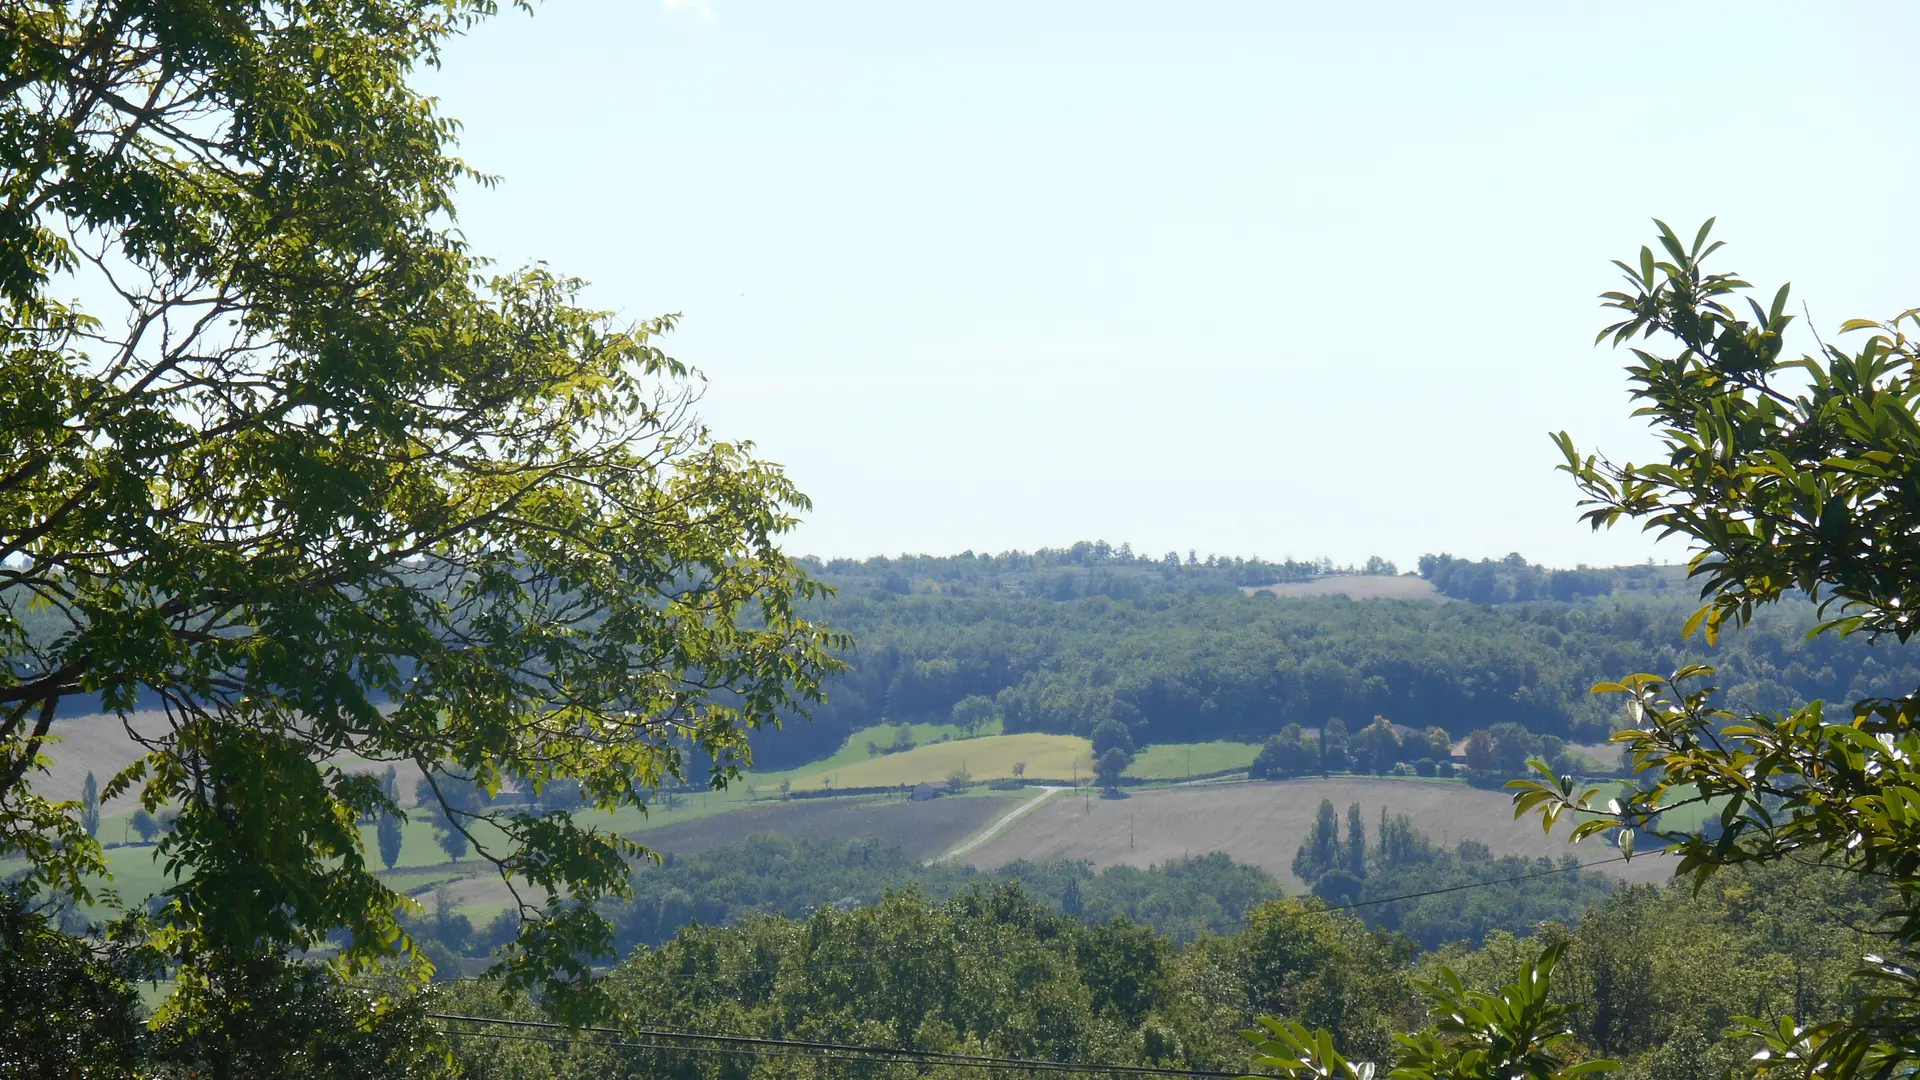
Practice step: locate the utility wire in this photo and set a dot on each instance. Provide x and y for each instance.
(628, 1044)
(932, 1057)
(1479, 884)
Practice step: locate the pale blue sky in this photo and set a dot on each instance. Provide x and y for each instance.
(1248, 278)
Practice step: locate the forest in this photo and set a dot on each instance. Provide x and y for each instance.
(1180, 654)
(992, 965)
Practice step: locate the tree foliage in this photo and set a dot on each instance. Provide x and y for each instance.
(1786, 475)
(308, 476)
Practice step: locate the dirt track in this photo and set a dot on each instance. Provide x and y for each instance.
(1263, 824)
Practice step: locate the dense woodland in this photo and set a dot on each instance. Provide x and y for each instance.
(992, 969)
(1058, 963)
(1061, 641)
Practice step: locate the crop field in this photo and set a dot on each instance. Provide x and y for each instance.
(1262, 824)
(1356, 587)
(1054, 757)
(921, 829)
(1173, 761)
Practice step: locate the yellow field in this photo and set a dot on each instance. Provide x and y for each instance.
(1048, 757)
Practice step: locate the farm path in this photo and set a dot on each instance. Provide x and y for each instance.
(997, 827)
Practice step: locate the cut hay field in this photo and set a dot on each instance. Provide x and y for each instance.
(1053, 757)
(1262, 824)
(1356, 587)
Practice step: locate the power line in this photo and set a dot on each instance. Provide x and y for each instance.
(1479, 884)
(934, 1057)
(627, 1044)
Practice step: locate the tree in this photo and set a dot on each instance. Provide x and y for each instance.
(1333, 746)
(971, 713)
(90, 806)
(1480, 751)
(1355, 852)
(1019, 769)
(1439, 744)
(1109, 735)
(1517, 1032)
(1321, 851)
(73, 1008)
(1289, 753)
(1070, 902)
(144, 824)
(1784, 474)
(305, 453)
(1375, 747)
(1110, 767)
(959, 779)
(902, 739)
(453, 841)
(389, 833)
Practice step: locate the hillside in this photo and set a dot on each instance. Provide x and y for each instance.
(1222, 659)
(1261, 824)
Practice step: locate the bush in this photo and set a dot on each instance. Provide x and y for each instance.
(71, 1008)
(1425, 767)
(1286, 754)
(1487, 779)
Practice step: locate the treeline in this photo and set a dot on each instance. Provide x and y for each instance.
(1403, 881)
(1183, 899)
(1513, 580)
(992, 968)
(1183, 667)
(1088, 568)
(1658, 974)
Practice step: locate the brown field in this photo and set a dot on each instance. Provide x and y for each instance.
(1263, 824)
(1356, 587)
(99, 743)
(921, 829)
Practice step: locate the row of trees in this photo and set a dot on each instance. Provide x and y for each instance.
(1513, 580)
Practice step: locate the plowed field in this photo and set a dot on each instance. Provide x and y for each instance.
(1263, 824)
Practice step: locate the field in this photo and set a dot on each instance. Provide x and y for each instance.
(1262, 824)
(1356, 587)
(1054, 757)
(921, 829)
(1173, 761)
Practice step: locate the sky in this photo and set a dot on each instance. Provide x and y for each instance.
(1276, 280)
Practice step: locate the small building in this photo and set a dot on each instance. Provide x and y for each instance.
(924, 791)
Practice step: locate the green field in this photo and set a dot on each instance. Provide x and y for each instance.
(1176, 761)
